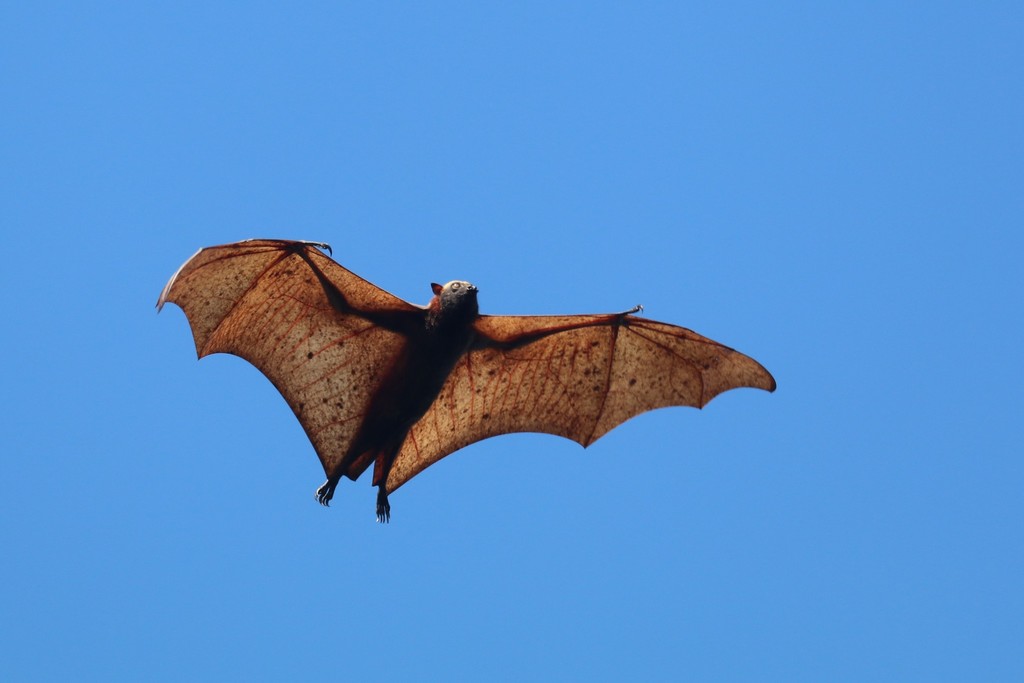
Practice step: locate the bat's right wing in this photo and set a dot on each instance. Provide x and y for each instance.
(324, 336)
(572, 376)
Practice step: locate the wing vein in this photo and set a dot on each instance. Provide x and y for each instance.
(697, 369)
(614, 330)
(238, 300)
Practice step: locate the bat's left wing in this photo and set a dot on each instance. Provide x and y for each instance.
(572, 376)
(324, 336)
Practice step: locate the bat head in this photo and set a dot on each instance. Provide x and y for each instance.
(455, 301)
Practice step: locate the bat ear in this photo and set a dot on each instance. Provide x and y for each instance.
(436, 288)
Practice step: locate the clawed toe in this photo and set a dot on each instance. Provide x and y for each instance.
(383, 509)
(324, 494)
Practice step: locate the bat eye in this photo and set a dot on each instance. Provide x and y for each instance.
(456, 286)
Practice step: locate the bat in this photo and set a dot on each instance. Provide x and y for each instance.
(374, 379)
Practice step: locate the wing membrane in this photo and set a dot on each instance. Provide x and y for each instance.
(572, 376)
(276, 304)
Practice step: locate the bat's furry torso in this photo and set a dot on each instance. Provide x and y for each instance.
(433, 346)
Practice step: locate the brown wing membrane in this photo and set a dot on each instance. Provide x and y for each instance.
(300, 318)
(572, 376)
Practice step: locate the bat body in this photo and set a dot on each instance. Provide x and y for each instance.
(436, 338)
(374, 379)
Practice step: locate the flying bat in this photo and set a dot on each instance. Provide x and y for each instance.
(374, 379)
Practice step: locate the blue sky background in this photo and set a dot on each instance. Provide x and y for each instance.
(834, 190)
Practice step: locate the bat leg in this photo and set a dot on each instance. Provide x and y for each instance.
(383, 506)
(326, 492)
(381, 468)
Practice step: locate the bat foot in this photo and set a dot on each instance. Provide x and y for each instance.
(324, 494)
(383, 506)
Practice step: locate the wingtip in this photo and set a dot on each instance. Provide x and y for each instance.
(766, 380)
(770, 385)
(165, 292)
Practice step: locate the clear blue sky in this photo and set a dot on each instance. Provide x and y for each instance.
(835, 190)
